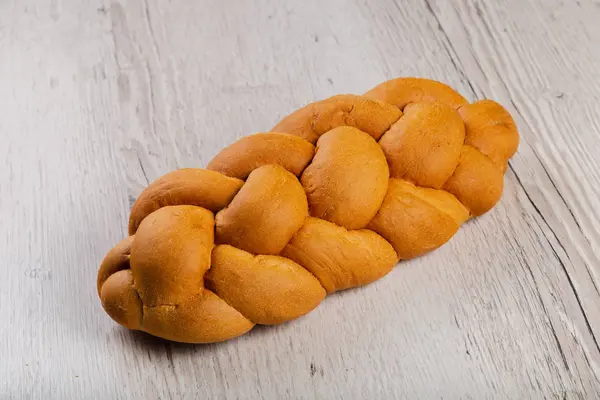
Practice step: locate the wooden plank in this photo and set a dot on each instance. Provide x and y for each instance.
(99, 99)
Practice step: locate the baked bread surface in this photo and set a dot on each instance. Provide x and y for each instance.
(331, 198)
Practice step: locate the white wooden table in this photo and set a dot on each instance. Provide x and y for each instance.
(99, 98)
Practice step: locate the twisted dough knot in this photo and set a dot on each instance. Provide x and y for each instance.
(274, 223)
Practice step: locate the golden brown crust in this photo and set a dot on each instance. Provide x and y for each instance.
(477, 182)
(244, 156)
(491, 130)
(394, 175)
(120, 299)
(347, 179)
(269, 209)
(116, 259)
(171, 253)
(203, 318)
(412, 225)
(403, 91)
(310, 122)
(189, 186)
(266, 289)
(339, 258)
(424, 145)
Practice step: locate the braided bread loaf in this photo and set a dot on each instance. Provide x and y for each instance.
(332, 198)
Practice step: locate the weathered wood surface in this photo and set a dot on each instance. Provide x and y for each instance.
(99, 98)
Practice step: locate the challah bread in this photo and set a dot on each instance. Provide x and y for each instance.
(332, 198)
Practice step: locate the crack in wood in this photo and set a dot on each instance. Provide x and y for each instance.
(557, 191)
(561, 262)
(449, 48)
(518, 111)
(143, 170)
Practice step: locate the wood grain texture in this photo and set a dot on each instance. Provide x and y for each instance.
(100, 98)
